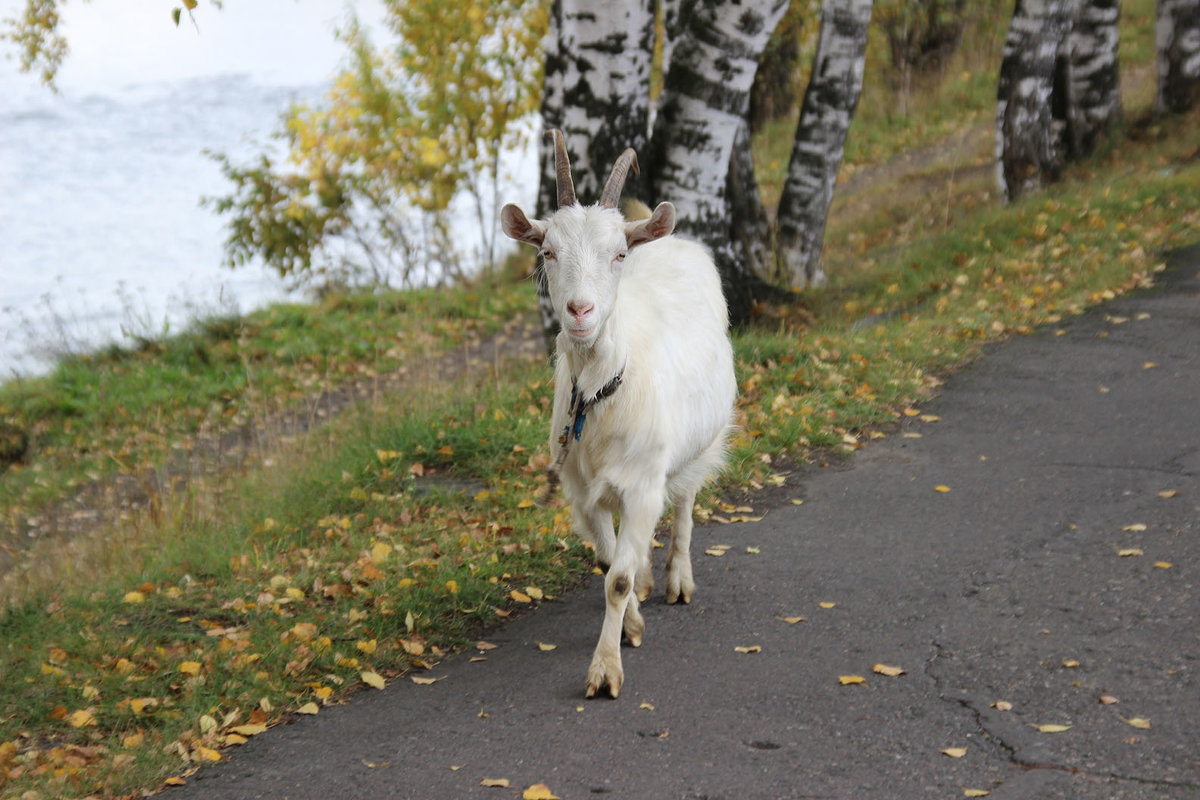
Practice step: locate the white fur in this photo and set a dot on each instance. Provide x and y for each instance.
(660, 316)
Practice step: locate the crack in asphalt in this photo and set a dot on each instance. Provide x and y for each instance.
(1014, 750)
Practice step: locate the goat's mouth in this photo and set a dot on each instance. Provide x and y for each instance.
(582, 333)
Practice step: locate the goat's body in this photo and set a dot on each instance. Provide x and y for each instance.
(644, 353)
(667, 423)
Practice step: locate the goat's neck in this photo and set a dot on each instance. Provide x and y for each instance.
(594, 366)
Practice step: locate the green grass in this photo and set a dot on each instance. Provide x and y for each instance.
(123, 411)
(405, 527)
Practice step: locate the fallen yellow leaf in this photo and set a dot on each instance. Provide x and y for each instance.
(134, 597)
(954, 752)
(304, 631)
(232, 739)
(380, 552)
(1108, 700)
(526, 503)
(1130, 551)
(1136, 527)
(175, 781)
(790, 620)
(83, 718)
(1138, 722)
(539, 791)
(534, 592)
(1051, 728)
(248, 730)
(139, 704)
(420, 681)
(714, 551)
(647, 706)
(941, 488)
(1070, 663)
(1163, 564)
(371, 678)
(850, 680)
(206, 754)
(754, 648)
(827, 605)
(133, 740)
(495, 783)
(190, 667)
(1002, 705)
(546, 647)
(367, 645)
(520, 597)
(1167, 494)
(891, 672)
(975, 792)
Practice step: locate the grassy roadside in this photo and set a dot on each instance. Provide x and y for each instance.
(122, 410)
(404, 528)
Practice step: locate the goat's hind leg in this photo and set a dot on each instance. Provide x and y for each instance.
(680, 583)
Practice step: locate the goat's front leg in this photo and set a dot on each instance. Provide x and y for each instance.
(621, 602)
(680, 583)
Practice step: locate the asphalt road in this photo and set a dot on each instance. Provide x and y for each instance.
(1053, 573)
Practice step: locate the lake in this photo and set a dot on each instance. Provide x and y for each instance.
(101, 233)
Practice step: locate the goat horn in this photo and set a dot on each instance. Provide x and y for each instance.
(616, 179)
(562, 169)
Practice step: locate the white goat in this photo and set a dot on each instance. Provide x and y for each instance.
(644, 356)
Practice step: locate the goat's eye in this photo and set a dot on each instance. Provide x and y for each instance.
(547, 254)
(619, 256)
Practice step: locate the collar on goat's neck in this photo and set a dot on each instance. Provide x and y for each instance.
(581, 402)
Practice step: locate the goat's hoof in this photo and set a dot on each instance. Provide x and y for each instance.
(601, 677)
(679, 586)
(634, 628)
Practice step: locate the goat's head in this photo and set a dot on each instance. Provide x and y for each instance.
(583, 247)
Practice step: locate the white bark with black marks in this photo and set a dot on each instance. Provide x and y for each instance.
(1026, 153)
(1093, 103)
(1177, 42)
(820, 140)
(703, 104)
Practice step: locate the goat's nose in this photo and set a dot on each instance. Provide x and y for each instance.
(579, 310)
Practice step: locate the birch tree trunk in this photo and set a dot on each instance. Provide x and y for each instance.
(1093, 103)
(1026, 153)
(1177, 41)
(750, 227)
(703, 104)
(597, 91)
(825, 115)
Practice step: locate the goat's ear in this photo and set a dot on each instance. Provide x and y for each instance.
(517, 226)
(660, 224)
